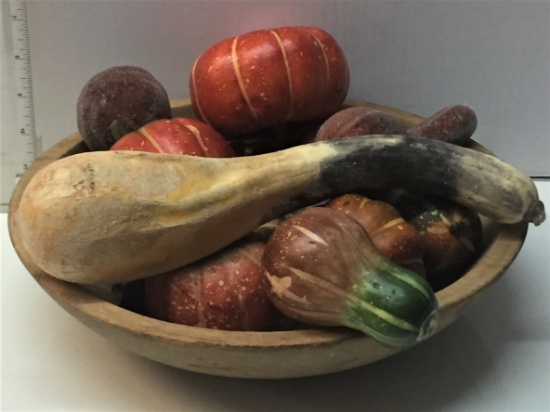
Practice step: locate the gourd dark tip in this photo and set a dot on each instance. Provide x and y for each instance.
(535, 214)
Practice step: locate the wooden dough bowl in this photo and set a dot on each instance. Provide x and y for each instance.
(281, 354)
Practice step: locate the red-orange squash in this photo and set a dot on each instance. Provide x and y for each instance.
(180, 135)
(223, 291)
(267, 77)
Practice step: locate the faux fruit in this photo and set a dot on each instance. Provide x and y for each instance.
(112, 216)
(322, 268)
(268, 77)
(394, 237)
(452, 124)
(451, 234)
(357, 121)
(223, 291)
(126, 97)
(179, 135)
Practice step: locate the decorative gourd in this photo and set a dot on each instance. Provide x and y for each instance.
(268, 77)
(180, 135)
(322, 268)
(126, 97)
(113, 216)
(452, 124)
(396, 239)
(451, 234)
(222, 291)
(358, 121)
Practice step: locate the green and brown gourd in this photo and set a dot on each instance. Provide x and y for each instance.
(322, 268)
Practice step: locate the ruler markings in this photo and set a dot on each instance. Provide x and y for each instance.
(26, 149)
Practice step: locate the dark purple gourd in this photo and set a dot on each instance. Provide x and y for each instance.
(117, 101)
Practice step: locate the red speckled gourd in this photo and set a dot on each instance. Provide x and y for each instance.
(179, 135)
(223, 291)
(267, 77)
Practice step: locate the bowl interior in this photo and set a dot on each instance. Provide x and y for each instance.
(313, 350)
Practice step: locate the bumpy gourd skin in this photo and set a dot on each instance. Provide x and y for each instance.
(398, 290)
(120, 97)
(322, 268)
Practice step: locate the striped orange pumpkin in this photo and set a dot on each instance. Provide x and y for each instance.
(179, 135)
(267, 77)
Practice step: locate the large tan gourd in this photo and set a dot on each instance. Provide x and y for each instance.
(106, 217)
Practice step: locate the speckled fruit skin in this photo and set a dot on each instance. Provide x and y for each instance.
(451, 234)
(127, 94)
(453, 124)
(267, 77)
(223, 291)
(451, 239)
(395, 238)
(357, 121)
(180, 135)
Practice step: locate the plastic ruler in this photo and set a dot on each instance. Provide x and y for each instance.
(22, 146)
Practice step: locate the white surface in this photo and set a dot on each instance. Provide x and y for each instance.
(417, 55)
(496, 358)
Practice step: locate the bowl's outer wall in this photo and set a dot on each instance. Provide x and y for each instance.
(254, 354)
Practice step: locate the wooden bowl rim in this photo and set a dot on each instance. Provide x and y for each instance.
(499, 254)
